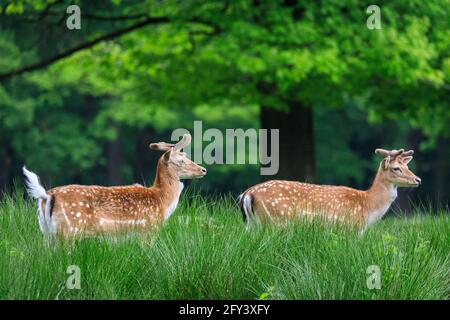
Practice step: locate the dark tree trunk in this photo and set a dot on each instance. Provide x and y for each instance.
(441, 174)
(407, 196)
(115, 159)
(5, 174)
(297, 153)
(145, 160)
(434, 169)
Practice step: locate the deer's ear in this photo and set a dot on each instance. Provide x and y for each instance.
(408, 153)
(406, 160)
(166, 156)
(161, 146)
(385, 163)
(381, 152)
(184, 142)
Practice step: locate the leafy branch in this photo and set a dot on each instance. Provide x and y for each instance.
(89, 44)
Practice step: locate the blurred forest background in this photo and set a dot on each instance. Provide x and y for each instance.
(81, 106)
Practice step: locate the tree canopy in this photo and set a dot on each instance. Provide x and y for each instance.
(156, 65)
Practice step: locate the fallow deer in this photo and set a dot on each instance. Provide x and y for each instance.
(89, 210)
(278, 200)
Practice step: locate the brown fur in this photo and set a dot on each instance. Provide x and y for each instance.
(90, 210)
(285, 200)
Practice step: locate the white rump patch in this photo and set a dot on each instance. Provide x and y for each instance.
(41, 217)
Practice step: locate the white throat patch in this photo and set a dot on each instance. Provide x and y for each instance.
(174, 204)
(393, 192)
(377, 214)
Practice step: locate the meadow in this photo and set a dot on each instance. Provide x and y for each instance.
(205, 252)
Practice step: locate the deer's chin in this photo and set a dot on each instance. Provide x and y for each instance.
(407, 185)
(192, 177)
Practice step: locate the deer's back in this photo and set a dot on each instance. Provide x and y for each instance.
(95, 209)
(291, 198)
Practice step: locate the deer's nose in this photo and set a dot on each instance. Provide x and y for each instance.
(203, 170)
(418, 180)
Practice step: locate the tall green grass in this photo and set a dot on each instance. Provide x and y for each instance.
(205, 252)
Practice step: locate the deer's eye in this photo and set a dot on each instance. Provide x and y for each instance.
(397, 169)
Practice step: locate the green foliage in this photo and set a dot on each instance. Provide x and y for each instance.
(218, 63)
(266, 54)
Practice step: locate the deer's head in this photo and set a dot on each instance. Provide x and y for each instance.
(394, 167)
(177, 161)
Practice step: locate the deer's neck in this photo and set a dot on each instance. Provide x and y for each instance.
(168, 187)
(379, 197)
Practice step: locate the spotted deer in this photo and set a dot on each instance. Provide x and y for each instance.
(279, 200)
(89, 210)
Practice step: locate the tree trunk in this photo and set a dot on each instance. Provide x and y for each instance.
(145, 160)
(296, 146)
(115, 159)
(441, 192)
(5, 174)
(407, 196)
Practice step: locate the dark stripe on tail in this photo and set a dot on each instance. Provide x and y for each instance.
(52, 204)
(241, 206)
(245, 214)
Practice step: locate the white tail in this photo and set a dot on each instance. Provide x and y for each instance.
(284, 200)
(34, 187)
(245, 202)
(37, 191)
(89, 210)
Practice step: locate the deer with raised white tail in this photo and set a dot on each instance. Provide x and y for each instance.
(89, 210)
(279, 200)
